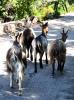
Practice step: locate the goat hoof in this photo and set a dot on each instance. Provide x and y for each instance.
(20, 93)
(11, 87)
(46, 62)
(58, 69)
(53, 74)
(35, 71)
(41, 67)
(31, 58)
(61, 71)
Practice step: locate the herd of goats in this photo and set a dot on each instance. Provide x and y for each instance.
(22, 48)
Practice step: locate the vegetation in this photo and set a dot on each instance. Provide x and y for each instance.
(40, 8)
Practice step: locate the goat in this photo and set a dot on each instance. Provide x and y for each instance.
(26, 37)
(25, 40)
(58, 52)
(14, 64)
(41, 46)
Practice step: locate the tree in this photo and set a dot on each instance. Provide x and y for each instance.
(23, 8)
(58, 4)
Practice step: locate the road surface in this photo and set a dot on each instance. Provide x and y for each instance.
(42, 86)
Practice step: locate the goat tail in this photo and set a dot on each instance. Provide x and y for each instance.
(51, 60)
(51, 55)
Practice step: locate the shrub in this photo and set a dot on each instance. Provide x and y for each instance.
(43, 12)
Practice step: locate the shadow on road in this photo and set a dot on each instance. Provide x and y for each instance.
(41, 86)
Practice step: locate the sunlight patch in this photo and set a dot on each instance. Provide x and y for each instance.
(54, 35)
(70, 51)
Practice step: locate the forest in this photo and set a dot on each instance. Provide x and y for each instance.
(43, 9)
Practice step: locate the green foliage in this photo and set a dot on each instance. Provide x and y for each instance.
(60, 6)
(71, 2)
(42, 11)
(40, 8)
(2, 8)
(23, 8)
(71, 8)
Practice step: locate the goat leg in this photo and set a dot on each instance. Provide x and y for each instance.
(31, 50)
(53, 67)
(41, 66)
(35, 66)
(20, 86)
(46, 58)
(11, 80)
(24, 61)
(27, 52)
(58, 68)
(35, 55)
(62, 66)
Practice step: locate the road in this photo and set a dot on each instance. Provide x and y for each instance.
(42, 86)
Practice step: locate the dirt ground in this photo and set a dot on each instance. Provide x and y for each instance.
(42, 86)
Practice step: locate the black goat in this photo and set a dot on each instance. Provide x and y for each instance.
(58, 52)
(41, 45)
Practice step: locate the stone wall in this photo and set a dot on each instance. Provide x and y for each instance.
(10, 27)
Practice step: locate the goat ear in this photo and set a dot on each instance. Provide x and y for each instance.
(63, 30)
(46, 24)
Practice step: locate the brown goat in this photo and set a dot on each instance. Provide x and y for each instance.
(25, 40)
(14, 65)
(58, 52)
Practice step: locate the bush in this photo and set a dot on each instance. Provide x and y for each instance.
(56, 14)
(71, 8)
(43, 12)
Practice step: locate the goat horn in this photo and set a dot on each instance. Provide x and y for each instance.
(63, 30)
(67, 31)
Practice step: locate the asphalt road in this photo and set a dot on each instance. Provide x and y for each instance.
(42, 86)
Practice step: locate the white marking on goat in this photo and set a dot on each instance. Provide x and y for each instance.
(11, 80)
(33, 32)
